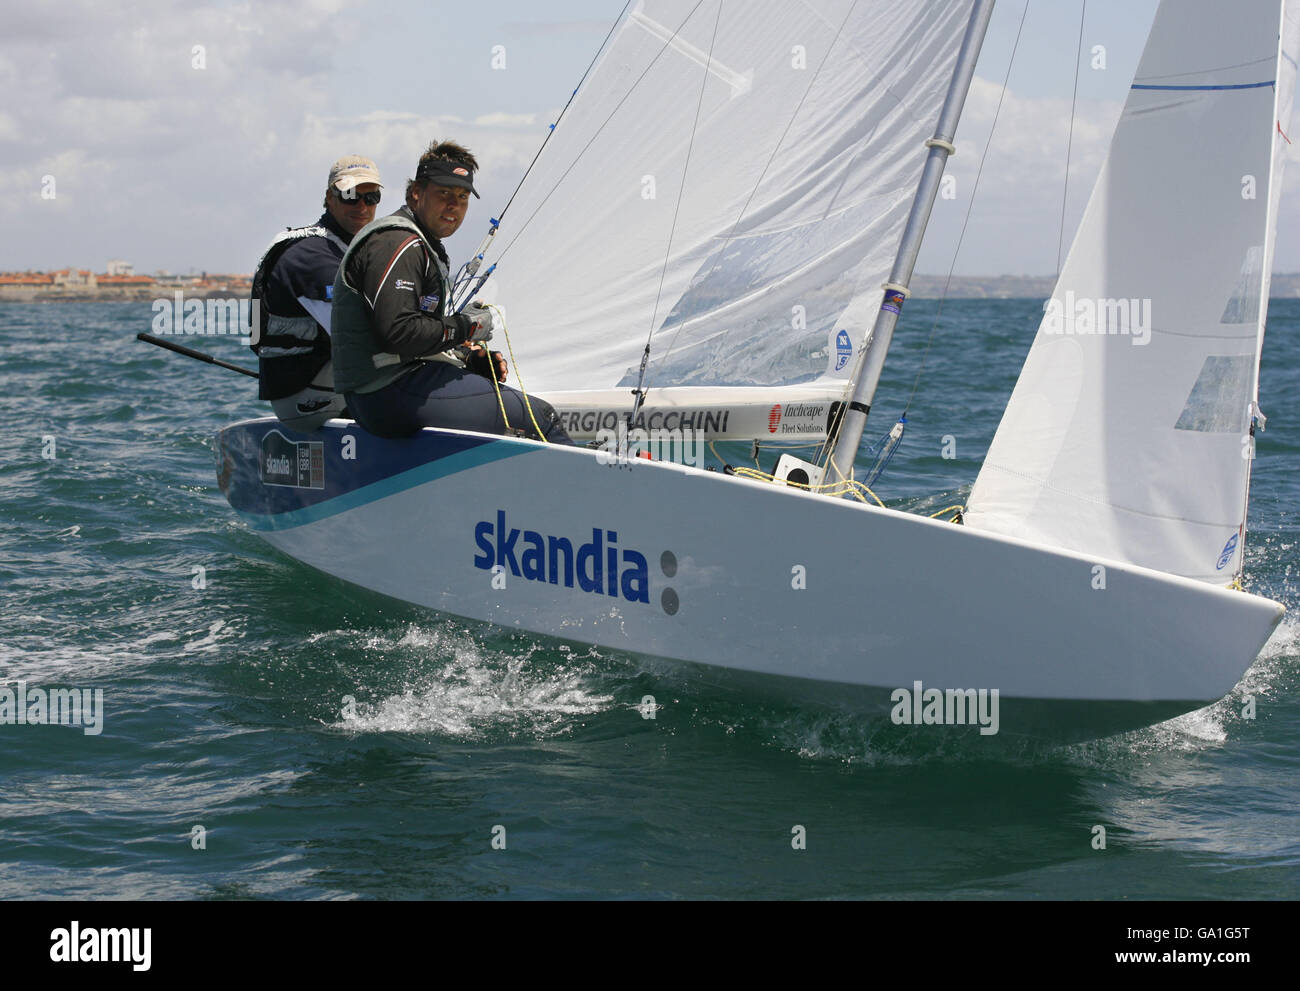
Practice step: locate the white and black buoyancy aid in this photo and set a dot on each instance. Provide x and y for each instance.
(290, 342)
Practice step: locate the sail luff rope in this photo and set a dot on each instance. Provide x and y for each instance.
(639, 391)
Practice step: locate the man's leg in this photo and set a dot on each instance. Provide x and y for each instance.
(439, 394)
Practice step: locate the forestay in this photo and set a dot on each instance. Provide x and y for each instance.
(1128, 435)
(731, 182)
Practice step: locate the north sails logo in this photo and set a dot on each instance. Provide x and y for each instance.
(1228, 552)
(843, 349)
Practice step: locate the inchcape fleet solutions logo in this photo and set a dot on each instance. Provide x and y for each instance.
(600, 566)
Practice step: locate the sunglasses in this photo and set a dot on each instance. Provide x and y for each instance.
(352, 196)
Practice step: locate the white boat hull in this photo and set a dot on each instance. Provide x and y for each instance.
(851, 600)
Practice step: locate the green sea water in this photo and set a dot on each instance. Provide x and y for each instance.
(225, 769)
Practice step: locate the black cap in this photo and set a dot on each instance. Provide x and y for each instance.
(442, 173)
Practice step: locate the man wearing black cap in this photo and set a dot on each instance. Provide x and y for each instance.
(402, 359)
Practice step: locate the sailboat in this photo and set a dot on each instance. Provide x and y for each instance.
(737, 194)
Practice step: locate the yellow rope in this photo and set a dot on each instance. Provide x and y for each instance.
(960, 509)
(500, 317)
(848, 486)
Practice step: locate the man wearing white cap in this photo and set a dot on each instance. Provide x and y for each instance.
(294, 287)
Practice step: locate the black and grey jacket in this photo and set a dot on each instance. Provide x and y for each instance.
(293, 289)
(390, 305)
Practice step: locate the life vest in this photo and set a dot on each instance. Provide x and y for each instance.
(360, 365)
(291, 347)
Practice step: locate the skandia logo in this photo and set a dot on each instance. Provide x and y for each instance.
(598, 566)
(774, 418)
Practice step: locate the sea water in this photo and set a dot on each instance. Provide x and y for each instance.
(267, 731)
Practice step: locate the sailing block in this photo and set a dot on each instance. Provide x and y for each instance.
(791, 471)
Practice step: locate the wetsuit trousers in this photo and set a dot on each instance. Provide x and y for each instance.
(439, 394)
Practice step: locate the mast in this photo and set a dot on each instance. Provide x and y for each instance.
(840, 462)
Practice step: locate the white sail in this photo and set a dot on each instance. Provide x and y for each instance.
(1128, 434)
(744, 206)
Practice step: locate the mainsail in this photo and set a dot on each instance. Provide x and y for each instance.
(731, 184)
(1129, 434)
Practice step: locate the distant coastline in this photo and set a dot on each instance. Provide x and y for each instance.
(83, 286)
(69, 285)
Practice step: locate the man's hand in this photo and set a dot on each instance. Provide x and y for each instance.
(481, 323)
(479, 363)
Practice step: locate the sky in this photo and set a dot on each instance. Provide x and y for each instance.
(182, 137)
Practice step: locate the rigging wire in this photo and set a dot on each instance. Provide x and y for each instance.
(717, 258)
(639, 391)
(970, 206)
(464, 287)
(551, 130)
(626, 96)
(1069, 147)
(832, 437)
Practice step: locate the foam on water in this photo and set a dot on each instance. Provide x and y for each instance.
(456, 686)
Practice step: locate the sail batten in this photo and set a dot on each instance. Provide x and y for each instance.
(1129, 433)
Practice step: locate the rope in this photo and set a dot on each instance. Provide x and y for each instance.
(1069, 147)
(604, 123)
(961, 511)
(551, 129)
(499, 315)
(639, 391)
(847, 486)
(717, 259)
(970, 206)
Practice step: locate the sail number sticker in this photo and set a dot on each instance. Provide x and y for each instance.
(294, 464)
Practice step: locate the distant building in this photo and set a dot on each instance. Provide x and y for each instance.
(74, 278)
(117, 266)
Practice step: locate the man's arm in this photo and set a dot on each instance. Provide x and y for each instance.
(401, 285)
